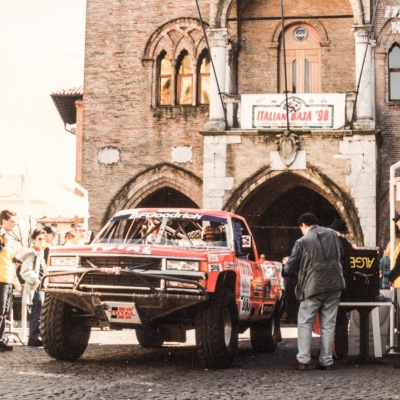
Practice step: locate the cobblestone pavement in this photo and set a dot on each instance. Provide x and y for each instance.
(115, 367)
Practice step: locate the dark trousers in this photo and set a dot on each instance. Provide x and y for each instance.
(5, 297)
(34, 322)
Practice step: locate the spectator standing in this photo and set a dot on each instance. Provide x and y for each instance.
(50, 236)
(8, 277)
(316, 259)
(341, 346)
(385, 267)
(395, 272)
(70, 239)
(79, 237)
(290, 303)
(82, 234)
(33, 269)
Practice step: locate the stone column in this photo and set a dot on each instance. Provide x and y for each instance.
(218, 40)
(173, 93)
(365, 101)
(215, 179)
(195, 83)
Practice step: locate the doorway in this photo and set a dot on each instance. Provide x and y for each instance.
(167, 197)
(273, 209)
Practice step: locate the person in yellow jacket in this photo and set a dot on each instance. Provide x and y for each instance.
(8, 277)
(395, 272)
(70, 239)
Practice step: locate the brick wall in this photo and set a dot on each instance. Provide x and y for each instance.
(118, 98)
(388, 113)
(118, 111)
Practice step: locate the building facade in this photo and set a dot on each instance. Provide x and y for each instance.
(261, 140)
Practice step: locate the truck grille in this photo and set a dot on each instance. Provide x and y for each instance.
(122, 262)
(115, 281)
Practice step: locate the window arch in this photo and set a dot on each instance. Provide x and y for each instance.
(164, 79)
(203, 90)
(394, 72)
(184, 79)
(303, 60)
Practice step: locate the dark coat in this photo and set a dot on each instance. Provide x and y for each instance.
(319, 267)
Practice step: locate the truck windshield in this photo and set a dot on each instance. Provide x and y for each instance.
(167, 229)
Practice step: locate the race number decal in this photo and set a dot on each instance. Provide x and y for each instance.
(245, 282)
(246, 276)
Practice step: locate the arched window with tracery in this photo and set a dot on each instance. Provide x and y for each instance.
(184, 79)
(164, 79)
(394, 72)
(203, 91)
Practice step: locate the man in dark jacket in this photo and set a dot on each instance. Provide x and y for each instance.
(316, 259)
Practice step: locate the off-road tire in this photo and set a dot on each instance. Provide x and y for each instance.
(150, 337)
(64, 334)
(217, 330)
(264, 336)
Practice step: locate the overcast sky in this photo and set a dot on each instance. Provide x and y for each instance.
(42, 51)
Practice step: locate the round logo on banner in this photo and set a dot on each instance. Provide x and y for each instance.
(300, 34)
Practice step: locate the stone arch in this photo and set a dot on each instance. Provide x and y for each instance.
(224, 7)
(175, 35)
(152, 179)
(278, 181)
(317, 25)
(387, 38)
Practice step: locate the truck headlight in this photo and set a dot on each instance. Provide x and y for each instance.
(63, 261)
(180, 265)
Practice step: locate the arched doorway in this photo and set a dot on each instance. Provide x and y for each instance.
(272, 202)
(167, 197)
(277, 228)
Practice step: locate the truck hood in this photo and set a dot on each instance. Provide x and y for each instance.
(138, 250)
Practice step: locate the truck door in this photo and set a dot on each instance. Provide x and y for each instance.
(251, 281)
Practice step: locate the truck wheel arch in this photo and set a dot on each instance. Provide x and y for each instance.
(226, 279)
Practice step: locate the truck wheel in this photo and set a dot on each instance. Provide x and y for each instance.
(265, 336)
(65, 336)
(149, 337)
(217, 331)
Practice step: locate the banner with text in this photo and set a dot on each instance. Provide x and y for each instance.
(309, 111)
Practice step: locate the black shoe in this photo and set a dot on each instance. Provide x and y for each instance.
(323, 367)
(5, 347)
(35, 343)
(301, 366)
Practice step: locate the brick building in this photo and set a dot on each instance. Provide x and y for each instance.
(154, 130)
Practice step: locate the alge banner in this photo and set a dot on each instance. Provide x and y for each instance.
(312, 111)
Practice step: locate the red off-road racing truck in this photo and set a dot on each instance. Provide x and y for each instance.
(163, 272)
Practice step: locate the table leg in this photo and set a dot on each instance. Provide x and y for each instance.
(364, 357)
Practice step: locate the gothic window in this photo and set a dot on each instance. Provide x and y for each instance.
(184, 79)
(394, 73)
(165, 76)
(303, 60)
(204, 79)
(188, 83)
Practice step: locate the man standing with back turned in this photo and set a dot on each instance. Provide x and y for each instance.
(316, 259)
